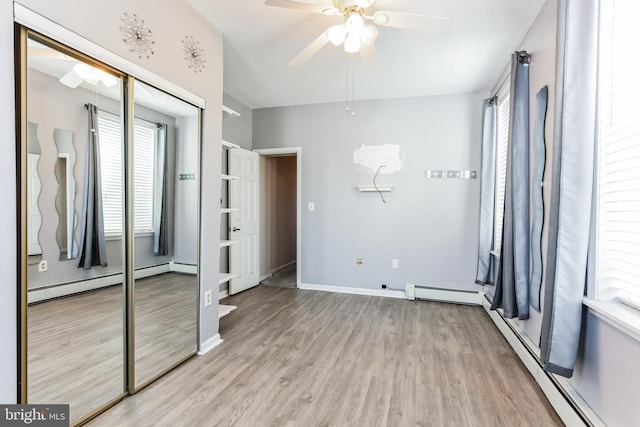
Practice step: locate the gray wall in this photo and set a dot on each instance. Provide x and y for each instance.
(430, 226)
(607, 373)
(238, 130)
(98, 21)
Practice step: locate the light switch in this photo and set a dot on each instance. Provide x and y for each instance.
(312, 207)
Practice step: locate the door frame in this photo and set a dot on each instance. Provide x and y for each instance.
(287, 151)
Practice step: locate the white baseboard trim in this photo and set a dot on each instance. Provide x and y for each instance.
(210, 344)
(43, 294)
(353, 291)
(556, 389)
(223, 294)
(283, 266)
(265, 277)
(443, 295)
(177, 267)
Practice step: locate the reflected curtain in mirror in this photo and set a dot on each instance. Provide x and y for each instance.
(160, 197)
(93, 250)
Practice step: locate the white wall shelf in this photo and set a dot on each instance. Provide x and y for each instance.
(369, 188)
(223, 310)
(228, 210)
(228, 177)
(225, 277)
(227, 144)
(228, 113)
(227, 243)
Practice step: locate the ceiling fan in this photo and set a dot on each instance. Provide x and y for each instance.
(360, 28)
(79, 73)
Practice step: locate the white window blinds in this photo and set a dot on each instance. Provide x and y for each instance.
(618, 201)
(109, 134)
(501, 162)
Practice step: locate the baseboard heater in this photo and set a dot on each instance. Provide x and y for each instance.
(430, 293)
(83, 285)
(566, 401)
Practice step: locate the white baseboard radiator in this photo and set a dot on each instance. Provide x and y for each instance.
(430, 293)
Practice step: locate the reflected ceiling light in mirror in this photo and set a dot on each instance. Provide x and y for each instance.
(137, 35)
(82, 72)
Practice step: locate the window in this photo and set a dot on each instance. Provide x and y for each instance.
(618, 186)
(501, 162)
(109, 131)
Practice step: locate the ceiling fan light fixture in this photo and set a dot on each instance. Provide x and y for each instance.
(354, 24)
(381, 18)
(364, 3)
(369, 34)
(337, 34)
(352, 43)
(331, 11)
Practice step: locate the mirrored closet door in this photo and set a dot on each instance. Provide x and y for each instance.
(74, 273)
(110, 189)
(165, 198)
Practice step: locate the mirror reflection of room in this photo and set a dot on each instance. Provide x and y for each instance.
(76, 271)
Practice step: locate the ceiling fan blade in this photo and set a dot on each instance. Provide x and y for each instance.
(409, 21)
(297, 5)
(71, 79)
(369, 55)
(310, 50)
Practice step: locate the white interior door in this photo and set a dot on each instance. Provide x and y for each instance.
(243, 223)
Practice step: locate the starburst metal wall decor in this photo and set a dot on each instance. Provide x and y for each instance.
(137, 35)
(193, 54)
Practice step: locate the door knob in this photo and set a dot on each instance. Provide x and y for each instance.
(235, 229)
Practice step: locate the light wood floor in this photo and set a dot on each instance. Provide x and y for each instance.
(306, 358)
(76, 344)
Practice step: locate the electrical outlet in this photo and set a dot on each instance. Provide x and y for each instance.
(359, 261)
(394, 264)
(42, 266)
(208, 298)
(312, 207)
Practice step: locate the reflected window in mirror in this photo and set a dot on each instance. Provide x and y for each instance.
(145, 137)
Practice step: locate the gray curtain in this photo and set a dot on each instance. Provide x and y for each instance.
(160, 197)
(539, 155)
(484, 274)
(512, 288)
(93, 250)
(572, 184)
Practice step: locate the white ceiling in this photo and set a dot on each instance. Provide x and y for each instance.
(465, 55)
